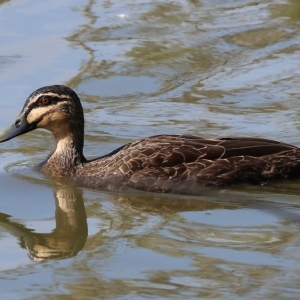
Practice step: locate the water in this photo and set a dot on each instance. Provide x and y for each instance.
(210, 68)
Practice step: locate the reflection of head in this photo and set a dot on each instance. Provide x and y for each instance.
(69, 236)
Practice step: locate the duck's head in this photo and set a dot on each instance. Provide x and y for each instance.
(56, 108)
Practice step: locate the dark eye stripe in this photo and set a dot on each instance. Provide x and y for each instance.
(53, 100)
(37, 103)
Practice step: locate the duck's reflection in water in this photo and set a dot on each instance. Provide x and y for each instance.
(71, 231)
(69, 235)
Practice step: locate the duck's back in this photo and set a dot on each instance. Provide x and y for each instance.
(178, 163)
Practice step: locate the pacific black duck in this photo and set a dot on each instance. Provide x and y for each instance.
(169, 163)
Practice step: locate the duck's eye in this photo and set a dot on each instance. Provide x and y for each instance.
(45, 101)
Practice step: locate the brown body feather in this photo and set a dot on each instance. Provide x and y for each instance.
(183, 163)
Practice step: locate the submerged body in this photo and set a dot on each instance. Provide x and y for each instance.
(162, 163)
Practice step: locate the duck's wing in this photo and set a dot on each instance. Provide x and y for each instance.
(179, 163)
(155, 163)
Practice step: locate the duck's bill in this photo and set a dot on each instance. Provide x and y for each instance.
(20, 126)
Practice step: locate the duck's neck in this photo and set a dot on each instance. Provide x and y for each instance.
(67, 154)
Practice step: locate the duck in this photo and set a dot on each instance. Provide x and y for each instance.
(166, 163)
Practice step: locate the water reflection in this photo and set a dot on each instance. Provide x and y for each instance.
(71, 231)
(69, 235)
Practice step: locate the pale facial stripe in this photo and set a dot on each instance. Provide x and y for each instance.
(36, 113)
